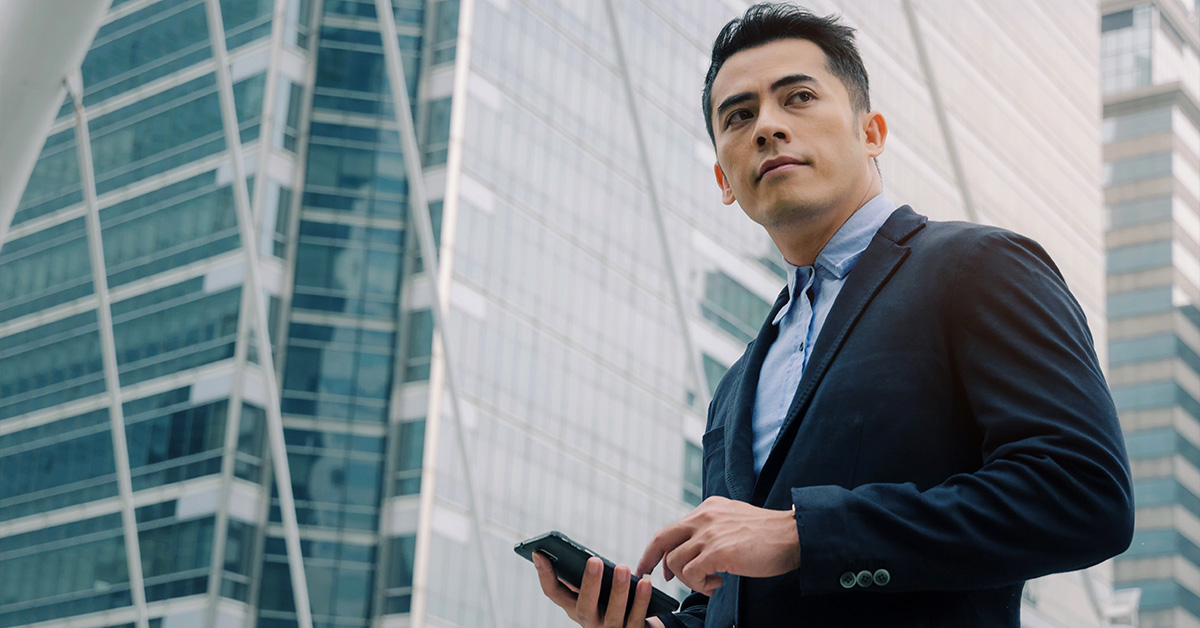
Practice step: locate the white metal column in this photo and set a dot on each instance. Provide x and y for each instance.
(664, 243)
(939, 109)
(258, 312)
(41, 44)
(108, 350)
(419, 211)
(240, 359)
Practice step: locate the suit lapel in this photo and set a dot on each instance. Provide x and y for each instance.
(883, 255)
(739, 432)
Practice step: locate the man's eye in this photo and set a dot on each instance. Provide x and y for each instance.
(802, 96)
(738, 116)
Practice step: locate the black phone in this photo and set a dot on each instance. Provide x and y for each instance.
(570, 559)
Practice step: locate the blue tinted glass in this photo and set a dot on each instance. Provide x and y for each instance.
(50, 365)
(410, 450)
(144, 139)
(144, 46)
(1137, 168)
(732, 307)
(1141, 212)
(44, 269)
(182, 333)
(64, 472)
(248, 100)
(1138, 302)
(245, 21)
(55, 430)
(1144, 396)
(91, 574)
(54, 182)
(158, 236)
(1139, 257)
(1157, 347)
(176, 445)
(352, 70)
(170, 547)
(420, 345)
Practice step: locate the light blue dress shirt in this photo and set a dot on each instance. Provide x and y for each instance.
(812, 291)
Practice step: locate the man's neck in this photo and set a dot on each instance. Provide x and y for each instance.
(802, 243)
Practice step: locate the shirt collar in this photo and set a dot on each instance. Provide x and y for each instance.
(841, 253)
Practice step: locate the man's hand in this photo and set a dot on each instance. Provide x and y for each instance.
(583, 606)
(722, 535)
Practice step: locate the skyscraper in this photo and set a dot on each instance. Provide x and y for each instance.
(250, 163)
(1151, 134)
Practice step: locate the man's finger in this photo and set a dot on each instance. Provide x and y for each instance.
(711, 584)
(551, 587)
(664, 541)
(589, 591)
(700, 574)
(641, 602)
(678, 559)
(618, 598)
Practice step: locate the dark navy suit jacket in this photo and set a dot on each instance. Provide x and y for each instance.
(952, 436)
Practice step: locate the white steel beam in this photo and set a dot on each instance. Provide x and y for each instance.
(41, 43)
(419, 211)
(108, 351)
(939, 109)
(234, 414)
(258, 314)
(664, 243)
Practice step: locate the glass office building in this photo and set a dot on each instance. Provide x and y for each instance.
(247, 158)
(1151, 135)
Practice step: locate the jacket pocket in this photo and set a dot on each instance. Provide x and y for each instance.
(713, 444)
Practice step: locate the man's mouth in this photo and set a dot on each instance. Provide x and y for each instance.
(779, 164)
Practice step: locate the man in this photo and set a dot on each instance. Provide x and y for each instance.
(921, 424)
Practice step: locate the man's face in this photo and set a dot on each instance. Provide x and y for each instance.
(790, 146)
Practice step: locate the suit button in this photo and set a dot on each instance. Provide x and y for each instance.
(882, 577)
(848, 580)
(865, 579)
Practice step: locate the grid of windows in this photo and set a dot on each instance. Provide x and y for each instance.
(732, 306)
(56, 465)
(1125, 49)
(153, 119)
(339, 373)
(63, 570)
(44, 269)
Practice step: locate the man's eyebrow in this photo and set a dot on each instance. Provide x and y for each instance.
(790, 80)
(735, 99)
(786, 81)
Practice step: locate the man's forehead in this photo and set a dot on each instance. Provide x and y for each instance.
(755, 69)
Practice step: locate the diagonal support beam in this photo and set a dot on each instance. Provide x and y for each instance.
(108, 350)
(694, 362)
(258, 314)
(234, 417)
(939, 108)
(419, 210)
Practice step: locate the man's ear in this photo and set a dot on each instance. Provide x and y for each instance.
(875, 129)
(726, 191)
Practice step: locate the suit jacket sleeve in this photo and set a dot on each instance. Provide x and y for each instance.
(692, 612)
(1053, 493)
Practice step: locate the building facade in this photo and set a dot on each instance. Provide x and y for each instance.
(1151, 134)
(261, 192)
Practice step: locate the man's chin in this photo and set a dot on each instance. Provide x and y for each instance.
(794, 211)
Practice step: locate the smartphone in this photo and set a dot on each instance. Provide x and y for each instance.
(570, 559)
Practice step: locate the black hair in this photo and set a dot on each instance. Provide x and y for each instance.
(766, 22)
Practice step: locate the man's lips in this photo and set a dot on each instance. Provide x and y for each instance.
(777, 163)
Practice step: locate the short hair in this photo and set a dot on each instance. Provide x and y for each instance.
(766, 22)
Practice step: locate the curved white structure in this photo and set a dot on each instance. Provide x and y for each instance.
(41, 43)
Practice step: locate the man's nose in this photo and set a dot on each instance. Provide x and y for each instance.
(769, 127)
